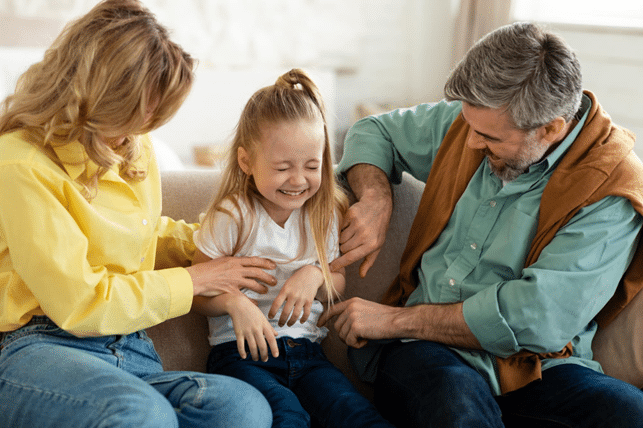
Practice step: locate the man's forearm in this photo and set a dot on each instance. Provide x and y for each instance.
(360, 320)
(442, 323)
(369, 181)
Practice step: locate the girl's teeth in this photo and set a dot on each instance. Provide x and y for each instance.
(292, 193)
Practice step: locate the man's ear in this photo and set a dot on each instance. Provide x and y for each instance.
(554, 131)
(243, 158)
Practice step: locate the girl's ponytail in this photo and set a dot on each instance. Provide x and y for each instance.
(298, 79)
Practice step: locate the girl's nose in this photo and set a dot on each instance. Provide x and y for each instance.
(297, 178)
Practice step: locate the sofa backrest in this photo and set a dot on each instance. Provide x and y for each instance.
(182, 342)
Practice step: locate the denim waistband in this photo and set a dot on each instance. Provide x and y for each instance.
(35, 320)
(288, 346)
(43, 322)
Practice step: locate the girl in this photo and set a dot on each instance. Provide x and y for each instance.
(279, 199)
(81, 235)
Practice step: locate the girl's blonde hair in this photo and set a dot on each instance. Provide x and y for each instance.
(293, 97)
(101, 77)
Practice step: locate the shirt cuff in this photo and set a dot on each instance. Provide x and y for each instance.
(482, 315)
(181, 291)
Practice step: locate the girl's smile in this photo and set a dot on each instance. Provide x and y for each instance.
(286, 166)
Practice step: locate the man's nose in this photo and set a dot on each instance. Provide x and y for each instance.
(476, 142)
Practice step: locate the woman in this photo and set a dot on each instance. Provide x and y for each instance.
(81, 236)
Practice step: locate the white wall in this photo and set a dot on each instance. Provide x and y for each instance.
(612, 66)
(405, 56)
(384, 51)
(394, 51)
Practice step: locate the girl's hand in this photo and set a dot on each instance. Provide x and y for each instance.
(251, 327)
(297, 295)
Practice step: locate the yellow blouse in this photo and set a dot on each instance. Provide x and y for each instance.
(87, 265)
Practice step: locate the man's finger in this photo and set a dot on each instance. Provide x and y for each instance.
(368, 262)
(346, 234)
(331, 312)
(345, 260)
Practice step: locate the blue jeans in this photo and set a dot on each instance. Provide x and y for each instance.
(301, 386)
(50, 378)
(425, 384)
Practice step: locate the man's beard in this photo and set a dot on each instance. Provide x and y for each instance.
(509, 169)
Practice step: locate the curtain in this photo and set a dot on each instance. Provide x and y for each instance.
(475, 19)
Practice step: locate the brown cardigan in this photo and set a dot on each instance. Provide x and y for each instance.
(599, 163)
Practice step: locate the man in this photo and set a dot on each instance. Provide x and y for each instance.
(529, 220)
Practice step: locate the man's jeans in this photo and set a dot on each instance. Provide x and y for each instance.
(49, 378)
(424, 384)
(301, 385)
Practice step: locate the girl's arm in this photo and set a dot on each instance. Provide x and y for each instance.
(339, 282)
(299, 292)
(250, 324)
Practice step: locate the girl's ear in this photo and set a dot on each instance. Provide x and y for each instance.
(244, 160)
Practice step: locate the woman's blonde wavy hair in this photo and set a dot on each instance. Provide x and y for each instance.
(293, 97)
(104, 74)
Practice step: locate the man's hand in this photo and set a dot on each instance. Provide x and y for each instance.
(227, 274)
(359, 320)
(366, 222)
(362, 236)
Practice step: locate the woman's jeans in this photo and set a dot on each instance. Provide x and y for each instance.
(50, 378)
(301, 386)
(425, 384)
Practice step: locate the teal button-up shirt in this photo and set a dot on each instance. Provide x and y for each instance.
(479, 257)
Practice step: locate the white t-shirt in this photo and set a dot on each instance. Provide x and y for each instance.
(266, 239)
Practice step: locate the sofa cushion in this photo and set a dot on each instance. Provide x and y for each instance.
(182, 342)
(619, 346)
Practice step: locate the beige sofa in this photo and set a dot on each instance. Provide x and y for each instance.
(182, 342)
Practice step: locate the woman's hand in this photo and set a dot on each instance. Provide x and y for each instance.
(251, 327)
(228, 274)
(297, 295)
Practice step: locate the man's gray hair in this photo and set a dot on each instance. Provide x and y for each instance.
(531, 72)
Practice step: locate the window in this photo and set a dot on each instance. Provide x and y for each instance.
(612, 13)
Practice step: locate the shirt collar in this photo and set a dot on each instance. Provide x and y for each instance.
(552, 160)
(76, 162)
(74, 159)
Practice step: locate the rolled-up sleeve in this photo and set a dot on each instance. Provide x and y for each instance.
(557, 297)
(403, 140)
